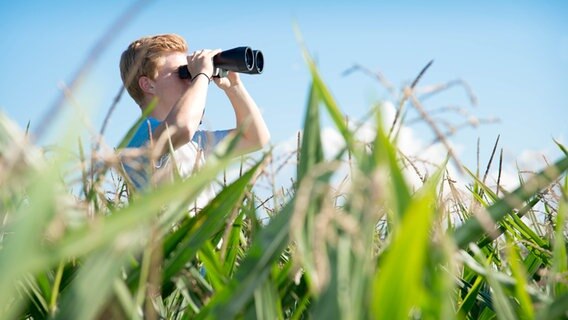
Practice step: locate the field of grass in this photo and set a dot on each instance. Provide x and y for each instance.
(77, 243)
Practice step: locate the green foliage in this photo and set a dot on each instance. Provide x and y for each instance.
(372, 249)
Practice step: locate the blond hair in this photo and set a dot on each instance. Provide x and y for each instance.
(142, 58)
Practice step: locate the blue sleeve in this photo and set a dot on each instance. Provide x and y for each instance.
(138, 169)
(142, 135)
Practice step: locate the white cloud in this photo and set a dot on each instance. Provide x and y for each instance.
(332, 142)
(425, 157)
(532, 160)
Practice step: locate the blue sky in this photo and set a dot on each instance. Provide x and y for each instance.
(513, 54)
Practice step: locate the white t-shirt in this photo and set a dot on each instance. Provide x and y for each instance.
(187, 158)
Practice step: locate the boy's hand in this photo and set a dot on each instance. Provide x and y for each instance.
(201, 62)
(232, 80)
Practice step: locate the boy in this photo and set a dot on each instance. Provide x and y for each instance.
(149, 71)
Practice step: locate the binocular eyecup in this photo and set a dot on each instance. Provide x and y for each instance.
(240, 59)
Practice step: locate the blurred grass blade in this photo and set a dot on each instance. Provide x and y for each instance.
(505, 280)
(265, 250)
(234, 248)
(311, 152)
(94, 285)
(38, 301)
(503, 307)
(558, 309)
(513, 222)
(527, 310)
(398, 284)
(385, 151)
(25, 235)
(212, 266)
(561, 147)
(267, 302)
(29, 229)
(209, 221)
(471, 297)
(142, 210)
(441, 270)
(560, 258)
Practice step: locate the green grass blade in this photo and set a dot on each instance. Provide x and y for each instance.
(532, 264)
(234, 249)
(267, 302)
(255, 269)
(209, 221)
(385, 151)
(145, 208)
(560, 258)
(25, 234)
(213, 268)
(513, 222)
(561, 147)
(311, 152)
(38, 303)
(472, 230)
(398, 284)
(557, 310)
(519, 274)
(471, 297)
(503, 307)
(94, 285)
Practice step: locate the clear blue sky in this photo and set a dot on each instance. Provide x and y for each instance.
(513, 54)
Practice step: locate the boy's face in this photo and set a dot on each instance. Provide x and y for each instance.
(168, 86)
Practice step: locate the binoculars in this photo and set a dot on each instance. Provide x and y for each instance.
(240, 59)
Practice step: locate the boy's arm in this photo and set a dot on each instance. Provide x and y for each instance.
(183, 120)
(255, 134)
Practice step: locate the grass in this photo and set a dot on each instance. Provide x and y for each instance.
(374, 249)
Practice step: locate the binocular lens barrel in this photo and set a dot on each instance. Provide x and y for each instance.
(258, 62)
(240, 59)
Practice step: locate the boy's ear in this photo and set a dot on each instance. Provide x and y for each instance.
(146, 84)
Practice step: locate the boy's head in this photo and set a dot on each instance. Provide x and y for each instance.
(143, 58)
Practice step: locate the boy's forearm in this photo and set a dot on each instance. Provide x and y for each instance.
(184, 118)
(248, 116)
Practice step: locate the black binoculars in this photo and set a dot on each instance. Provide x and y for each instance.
(241, 59)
